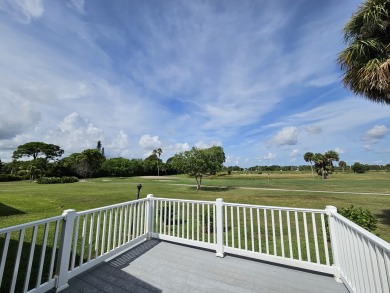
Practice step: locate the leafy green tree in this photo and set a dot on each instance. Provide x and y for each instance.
(308, 157)
(87, 163)
(359, 168)
(41, 153)
(37, 149)
(342, 165)
(199, 162)
(1, 166)
(122, 167)
(158, 152)
(365, 60)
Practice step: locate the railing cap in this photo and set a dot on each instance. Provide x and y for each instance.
(149, 196)
(330, 209)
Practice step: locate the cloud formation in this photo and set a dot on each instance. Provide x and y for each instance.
(286, 136)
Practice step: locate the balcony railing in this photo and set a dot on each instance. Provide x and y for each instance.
(45, 254)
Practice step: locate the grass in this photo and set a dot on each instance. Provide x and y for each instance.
(21, 202)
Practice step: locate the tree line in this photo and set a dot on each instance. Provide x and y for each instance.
(45, 161)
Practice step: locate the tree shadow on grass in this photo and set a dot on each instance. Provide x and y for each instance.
(213, 188)
(385, 217)
(9, 211)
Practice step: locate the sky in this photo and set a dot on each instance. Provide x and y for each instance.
(258, 78)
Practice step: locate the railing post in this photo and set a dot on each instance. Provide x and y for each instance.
(219, 219)
(64, 250)
(149, 216)
(330, 210)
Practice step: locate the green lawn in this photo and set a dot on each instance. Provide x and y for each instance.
(22, 202)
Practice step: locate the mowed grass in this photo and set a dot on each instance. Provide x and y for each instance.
(21, 202)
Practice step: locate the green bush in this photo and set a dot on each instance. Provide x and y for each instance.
(9, 177)
(361, 217)
(69, 179)
(54, 180)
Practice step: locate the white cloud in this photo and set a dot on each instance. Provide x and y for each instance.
(204, 145)
(23, 10)
(294, 153)
(75, 134)
(78, 5)
(269, 156)
(148, 142)
(376, 133)
(313, 129)
(340, 151)
(17, 115)
(287, 136)
(179, 147)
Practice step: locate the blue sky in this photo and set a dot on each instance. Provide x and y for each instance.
(257, 77)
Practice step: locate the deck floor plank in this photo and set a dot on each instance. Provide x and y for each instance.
(158, 266)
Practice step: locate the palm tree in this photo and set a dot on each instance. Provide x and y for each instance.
(342, 165)
(308, 157)
(331, 156)
(320, 164)
(366, 59)
(158, 152)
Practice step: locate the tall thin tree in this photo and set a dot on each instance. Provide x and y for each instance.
(308, 157)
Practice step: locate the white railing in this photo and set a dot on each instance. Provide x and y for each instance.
(184, 221)
(361, 258)
(59, 248)
(28, 246)
(289, 236)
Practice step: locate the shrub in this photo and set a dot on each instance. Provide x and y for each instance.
(361, 217)
(54, 180)
(9, 177)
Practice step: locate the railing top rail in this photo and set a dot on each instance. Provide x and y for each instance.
(371, 237)
(110, 207)
(30, 224)
(184, 200)
(275, 208)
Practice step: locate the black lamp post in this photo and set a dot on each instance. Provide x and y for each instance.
(139, 186)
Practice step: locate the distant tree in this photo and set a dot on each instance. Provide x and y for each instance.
(199, 162)
(36, 149)
(103, 152)
(331, 156)
(122, 167)
(158, 152)
(87, 163)
(365, 61)
(320, 164)
(41, 153)
(359, 168)
(99, 146)
(1, 166)
(342, 165)
(308, 157)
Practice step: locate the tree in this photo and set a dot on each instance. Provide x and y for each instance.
(199, 162)
(41, 153)
(320, 164)
(342, 165)
(359, 168)
(158, 152)
(308, 157)
(36, 149)
(330, 157)
(365, 60)
(87, 163)
(99, 146)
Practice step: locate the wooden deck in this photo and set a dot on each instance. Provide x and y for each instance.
(158, 266)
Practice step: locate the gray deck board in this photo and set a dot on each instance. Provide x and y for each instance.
(158, 266)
